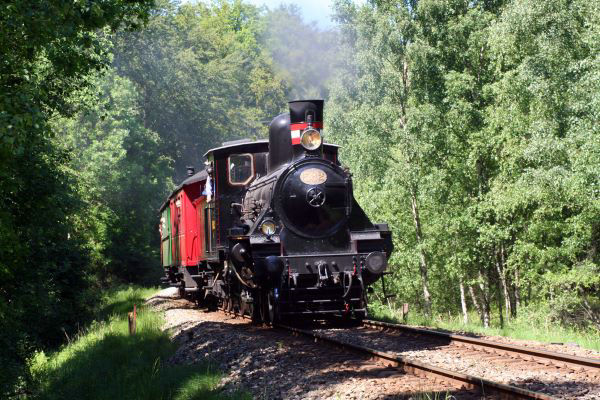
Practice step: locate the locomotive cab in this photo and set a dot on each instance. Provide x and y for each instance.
(232, 169)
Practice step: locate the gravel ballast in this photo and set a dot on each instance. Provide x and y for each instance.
(275, 365)
(272, 364)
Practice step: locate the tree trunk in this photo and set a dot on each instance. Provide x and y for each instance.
(481, 180)
(463, 302)
(423, 267)
(485, 297)
(500, 268)
(517, 292)
(475, 302)
(500, 308)
(507, 284)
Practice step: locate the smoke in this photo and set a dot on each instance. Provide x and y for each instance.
(306, 56)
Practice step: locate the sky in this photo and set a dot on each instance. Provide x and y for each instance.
(312, 10)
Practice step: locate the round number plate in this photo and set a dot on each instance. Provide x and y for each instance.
(313, 176)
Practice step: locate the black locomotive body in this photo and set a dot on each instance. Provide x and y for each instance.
(287, 238)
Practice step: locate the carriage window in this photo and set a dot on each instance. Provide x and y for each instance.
(241, 169)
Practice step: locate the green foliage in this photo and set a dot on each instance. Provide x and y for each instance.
(472, 128)
(202, 75)
(123, 179)
(105, 362)
(47, 50)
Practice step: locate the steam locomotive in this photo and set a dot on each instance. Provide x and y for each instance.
(271, 229)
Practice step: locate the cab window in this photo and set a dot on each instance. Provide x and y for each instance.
(241, 169)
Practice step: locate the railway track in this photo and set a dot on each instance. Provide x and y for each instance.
(521, 355)
(389, 345)
(479, 386)
(512, 356)
(315, 364)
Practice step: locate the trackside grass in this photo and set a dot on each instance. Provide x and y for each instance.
(529, 325)
(105, 362)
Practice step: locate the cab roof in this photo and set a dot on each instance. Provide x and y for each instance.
(247, 145)
(250, 146)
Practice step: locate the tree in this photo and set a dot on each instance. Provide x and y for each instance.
(546, 133)
(123, 178)
(480, 118)
(411, 72)
(47, 49)
(203, 77)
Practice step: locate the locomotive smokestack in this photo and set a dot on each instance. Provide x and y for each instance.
(304, 114)
(306, 124)
(297, 134)
(190, 170)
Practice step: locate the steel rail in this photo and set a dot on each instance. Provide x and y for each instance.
(421, 369)
(542, 356)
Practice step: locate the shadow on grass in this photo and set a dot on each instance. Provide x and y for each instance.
(118, 366)
(105, 362)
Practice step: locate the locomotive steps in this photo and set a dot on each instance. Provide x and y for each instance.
(271, 363)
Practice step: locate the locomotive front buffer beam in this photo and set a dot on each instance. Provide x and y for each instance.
(325, 285)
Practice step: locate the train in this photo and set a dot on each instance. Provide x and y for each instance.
(270, 229)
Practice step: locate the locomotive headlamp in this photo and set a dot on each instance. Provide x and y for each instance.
(268, 227)
(311, 139)
(376, 262)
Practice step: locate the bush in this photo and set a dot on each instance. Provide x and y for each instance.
(105, 362)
